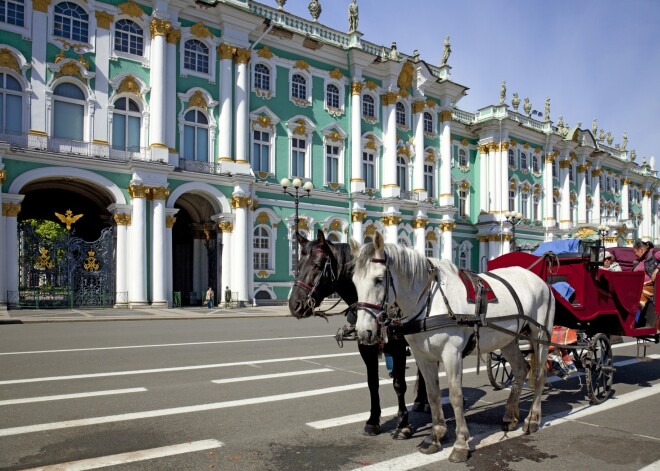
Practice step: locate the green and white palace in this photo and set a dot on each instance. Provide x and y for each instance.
(142, 146)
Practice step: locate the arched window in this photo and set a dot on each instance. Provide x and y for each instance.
(429, 179)
(333, 237)
(332, 96)
(195, 136)
(299, 87)
(71, 22)
(262, 77)
(196, 56)
(463, 261)
(129, 37)
(402, 241)
(536, 166)
(429, 250)
(11, 104)
(400, 114)
(12, 12)
(523, 161)
(428, 122)
(512, 158)
(462, 158)
(68, 112)
(369, 169)
(587, 178)
(368, 107)
(401, 173)
(261, 246)
(126, 125)
(616, 185)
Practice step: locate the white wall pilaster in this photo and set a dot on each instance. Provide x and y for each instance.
(101, 82)
(389, 185)
(173, 37)
(226, 103)
(38, 71)
(198, 247)
(446, 193)
(418, 166)
(227, 227)
(239, 247)
(595, 186)
(447, 231)
(625, 196)
(11, 207)
(241, 94)
(548, 217)
(357, 183)
(483, 179)
(582, 193)
(157, 79)
(564, 184)
(170, 220)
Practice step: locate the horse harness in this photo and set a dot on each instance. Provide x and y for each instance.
(310, 290)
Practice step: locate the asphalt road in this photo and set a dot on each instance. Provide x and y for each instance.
(142, 396)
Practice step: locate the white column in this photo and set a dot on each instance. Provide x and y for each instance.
(645, 232)
(137, 291)
(358, 232)
(101, 79)
(503, 161)
(170, 219)
(198, 246)
(582, 195)
(227, 226)
(226, 109)
(548, 217)
(494, 247)
(564, 184)
(389, 185)
(357, 183)
(122, 218)
(391, 224)
(595, 187)
(483, 179)
(241, 94)
(419, 227)
(239, 247)
(418, 167)
(3, 245)
(11, 206)
(173, 36)
(159, 30)
(447, 228)
(38, 70)
(625, 197)
(159, 247)
(483, 252)
(446, 193)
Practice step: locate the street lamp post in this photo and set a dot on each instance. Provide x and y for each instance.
(297, 185)
(602, 232)
(513, 218)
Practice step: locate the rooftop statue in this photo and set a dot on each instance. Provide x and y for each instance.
(314, 8)
(446, 52)
(515, 101)
(547, 109)
(594, 127)
(503, 92)
(280, 4)
(624, 143)
(353, 17)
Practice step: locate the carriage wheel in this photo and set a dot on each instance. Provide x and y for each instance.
(599, 370)
(499, 370)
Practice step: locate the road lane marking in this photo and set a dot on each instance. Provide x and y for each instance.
(417, 459)
(271, 376)
(218, 342)
(175, 368)
(133, 456)
(71, 396)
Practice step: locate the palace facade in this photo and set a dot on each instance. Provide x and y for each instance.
(163, 130)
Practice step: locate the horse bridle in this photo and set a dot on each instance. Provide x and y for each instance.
(382, 313)
(310, 290)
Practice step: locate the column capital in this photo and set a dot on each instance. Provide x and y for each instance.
(226, 51)
(3, 176)
(391, 220)
(40, 5)
(445, 116)
(389, 98)
(483, 148)
(11, 209)
(356, 88)
(418, 106)
(447, 226)
(103, 19)
(169, 221)
(647, 193)
(159, 27)
(596, 172)
(625, 181)
(173, 36)
(504, 145)
(564, 163)
(358, 216)
(243, 55)
(122, 219)
(226, 226)
(483, 238)
(240, 202)
(158, 193)
(583, 168)
(420, 223)
(138, 191)
(492, 146)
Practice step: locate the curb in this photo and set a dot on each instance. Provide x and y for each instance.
(116, 319)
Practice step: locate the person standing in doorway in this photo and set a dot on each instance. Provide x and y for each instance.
(209, 297)
(227, 296)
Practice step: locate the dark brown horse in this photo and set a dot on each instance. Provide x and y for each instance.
(326, 268)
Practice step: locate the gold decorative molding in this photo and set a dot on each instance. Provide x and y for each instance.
(226, 226)
(371, 143)
(243, 55)
(263, 274)
(582, 168)
(504, 146)
(169, 221)
(138, 191)
(483, 148)
(447, 226)
(301, 64)
(336, 74)
(596, 172)
(358, 216)
(263, 218)
(240, 202)
(388, 98)
(464, 142)
(173, 36)
(550, 158)
(11, 209)
(356, 88)
(265, 52)
(103, 19)
(406, 76)
(492, 147)
(370, 230)
(122, 219)
(303, 224)
(334, 136)
(129, 85)
(197, 100)
(564, 163)
(418, 106)
(647, 193)
(430, 236)
(3, 176)
(159, 27)
(371, 85)
(40, 5)
(263, 121)
(625, 181)
(430, 156)
(483, 238)
(131, 9)
(445, 116)
(391, 220)
(430, 103)
(301, 129)
(200, 30)
(420, 223)
(71, 69)
(335, 225)
(158, 193)
(43, 261)
(226, 51)
(68, 218)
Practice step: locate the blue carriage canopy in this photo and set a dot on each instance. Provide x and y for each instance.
(559, 247)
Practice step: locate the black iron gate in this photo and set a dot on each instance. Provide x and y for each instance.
(64, 271)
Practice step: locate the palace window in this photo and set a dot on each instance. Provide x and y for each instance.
(428, 122)
(429, 178)
(524, 203)
(512, 158)
(126, 125)
(512, 199)
(129, 37)
(196, 136)
(536, 165)
(262, 77)
(298, 149)
(429, 249)
(402, 173)
(463, 161)
(331, 163)
(12, 12)
(536, 208)
(523, 161)
(11, 104)
(299, 87)
(587, 178)
(462, 202)
(368, 107)
(464, 254)
(400, 114)
(71, 22)
(196, 56)
(332, 96)
(260, 151)
(571, 173)
(68, 112)
(261, 249)
(369, 169)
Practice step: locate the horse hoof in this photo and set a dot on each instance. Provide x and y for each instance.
(459, 455)
(428, 446)
(531, 428)
(509, 426)
(371, 430)
(403, 433)
(418, 407)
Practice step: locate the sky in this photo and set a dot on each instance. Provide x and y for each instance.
(593, 58)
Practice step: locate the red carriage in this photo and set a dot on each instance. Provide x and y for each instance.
(603, 305)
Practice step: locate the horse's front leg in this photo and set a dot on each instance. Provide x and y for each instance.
(533, 419)
(431, 443)
(421, 403)
(397, 348)
(369, 354)
(520, 368)
(453, 361)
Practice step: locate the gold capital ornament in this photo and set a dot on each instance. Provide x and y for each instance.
(391, 220)
(226, 51)
(11, 209)
(122, 219)
(358, 216)
(243, 55)
(240, 202)
(138, 191)
(226, 226)
(356, 88)
(173, 36)
(3, 176)
(169, 221)
(159, 193)
(103, 19)
(159, 27)
(420, 223)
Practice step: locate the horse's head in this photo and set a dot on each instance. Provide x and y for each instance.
(317, 275)
(373, 282)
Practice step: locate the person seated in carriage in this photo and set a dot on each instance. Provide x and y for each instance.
(648, 262)
(610, 263)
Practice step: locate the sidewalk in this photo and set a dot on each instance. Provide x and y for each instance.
(30, 316)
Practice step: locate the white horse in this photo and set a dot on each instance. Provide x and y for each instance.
(387, 274)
